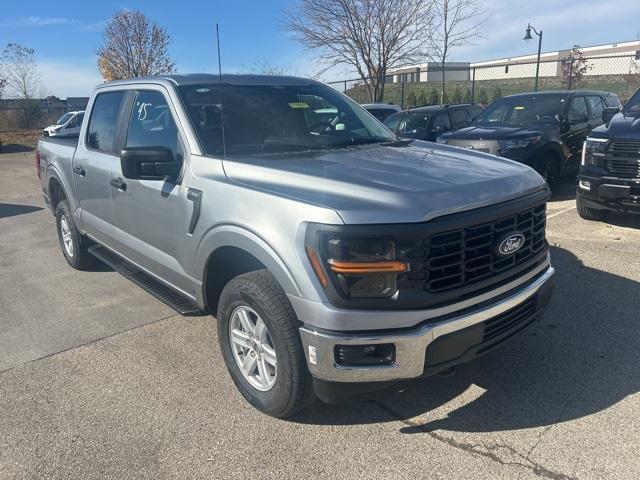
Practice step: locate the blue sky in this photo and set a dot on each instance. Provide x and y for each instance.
(66, 33)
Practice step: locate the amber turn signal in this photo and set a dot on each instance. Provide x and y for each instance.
(317, 268)
(359, 268)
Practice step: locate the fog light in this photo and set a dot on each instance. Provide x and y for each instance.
(584, 185)
(365, 355)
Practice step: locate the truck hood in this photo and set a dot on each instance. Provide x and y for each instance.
(414, 182)
(497, 133)
(621, 126)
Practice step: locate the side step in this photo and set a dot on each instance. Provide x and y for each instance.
(175, 300)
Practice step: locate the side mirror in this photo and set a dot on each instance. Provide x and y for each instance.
(149, 163)
(608, 113)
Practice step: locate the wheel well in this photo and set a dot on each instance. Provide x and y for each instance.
(56, 193)
(224, 264)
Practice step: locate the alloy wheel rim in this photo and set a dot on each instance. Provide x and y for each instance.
(67, 239)
(253, 348)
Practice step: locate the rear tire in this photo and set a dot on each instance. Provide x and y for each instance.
(258, 330)
(74, 245)
(587, 213)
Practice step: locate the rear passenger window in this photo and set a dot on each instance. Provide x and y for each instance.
(442, 121)
(459, 118)
(596, 107)
(151, 123)
(103, 122)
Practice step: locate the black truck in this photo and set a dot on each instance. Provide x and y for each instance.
(609, 177)
(544, 130)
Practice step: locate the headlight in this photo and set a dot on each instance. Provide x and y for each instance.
(360, 267)
(505, 145)
(594, 151)
(442, 140)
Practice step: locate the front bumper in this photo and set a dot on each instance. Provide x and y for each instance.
(434, 346)
(609, 193)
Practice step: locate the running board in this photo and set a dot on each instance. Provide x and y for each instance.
(181, 304)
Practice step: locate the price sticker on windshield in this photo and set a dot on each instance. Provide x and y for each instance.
(299, 105)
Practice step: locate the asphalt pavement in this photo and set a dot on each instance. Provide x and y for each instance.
(100, 380)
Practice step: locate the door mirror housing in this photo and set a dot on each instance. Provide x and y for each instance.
(149, 163)
(608, 113)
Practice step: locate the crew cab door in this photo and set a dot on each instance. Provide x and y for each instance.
(153, 215)
(96, 156)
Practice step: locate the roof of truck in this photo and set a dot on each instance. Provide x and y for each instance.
(205, 78)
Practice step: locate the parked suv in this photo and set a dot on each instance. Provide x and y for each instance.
(428, 123)
(335, 256)
(544, 130)
(609, 177)
(68, 125)
(381, 110)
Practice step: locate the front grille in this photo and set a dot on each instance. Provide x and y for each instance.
(496, 329)
(457, 259)
(623, 158)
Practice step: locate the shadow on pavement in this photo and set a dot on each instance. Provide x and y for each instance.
(11, 210)
(581, 358)
(15, 148)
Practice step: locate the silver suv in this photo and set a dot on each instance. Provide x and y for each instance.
(335, 256)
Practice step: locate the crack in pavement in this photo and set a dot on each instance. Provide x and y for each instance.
(487, 451)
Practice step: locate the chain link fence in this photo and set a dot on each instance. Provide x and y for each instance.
(485, 82)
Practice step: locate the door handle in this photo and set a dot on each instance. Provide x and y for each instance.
(78, 170)
(118, 183)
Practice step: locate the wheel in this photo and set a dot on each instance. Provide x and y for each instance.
(74, 245)
(589, 213)
(261, 347)
(549, 169)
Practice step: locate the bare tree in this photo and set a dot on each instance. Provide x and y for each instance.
(369, 36)
(21, 79)
(573, 68)
(456, 24)
(263, 67)
(20, 72)
(134, 46)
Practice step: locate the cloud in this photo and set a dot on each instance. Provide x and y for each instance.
(69, 78)
(34, 21)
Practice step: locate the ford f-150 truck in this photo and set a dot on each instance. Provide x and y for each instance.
(336, 257)
(609, 177)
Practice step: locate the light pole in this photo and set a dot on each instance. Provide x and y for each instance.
(527, 36)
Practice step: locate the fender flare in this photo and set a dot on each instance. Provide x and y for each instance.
(235, 236)
(53, 173)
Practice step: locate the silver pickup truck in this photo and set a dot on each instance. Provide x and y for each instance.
(336, 257)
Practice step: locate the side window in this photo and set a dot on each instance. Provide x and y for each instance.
(441, 122)
(596, 107)
(459, 118)
(578, 111)
(104, 121)
(151, 123)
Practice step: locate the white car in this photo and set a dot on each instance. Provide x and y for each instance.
(67, 125)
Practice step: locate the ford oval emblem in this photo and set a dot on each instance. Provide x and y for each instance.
(511, 244)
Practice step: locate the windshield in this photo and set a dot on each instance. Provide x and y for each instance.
(278, 118)
(409, 125)
(523, 110)
(64, 118)
(633, 105)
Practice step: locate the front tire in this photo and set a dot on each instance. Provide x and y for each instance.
(590, 213)
(261, 347)
(74, 245)
(549, 169)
